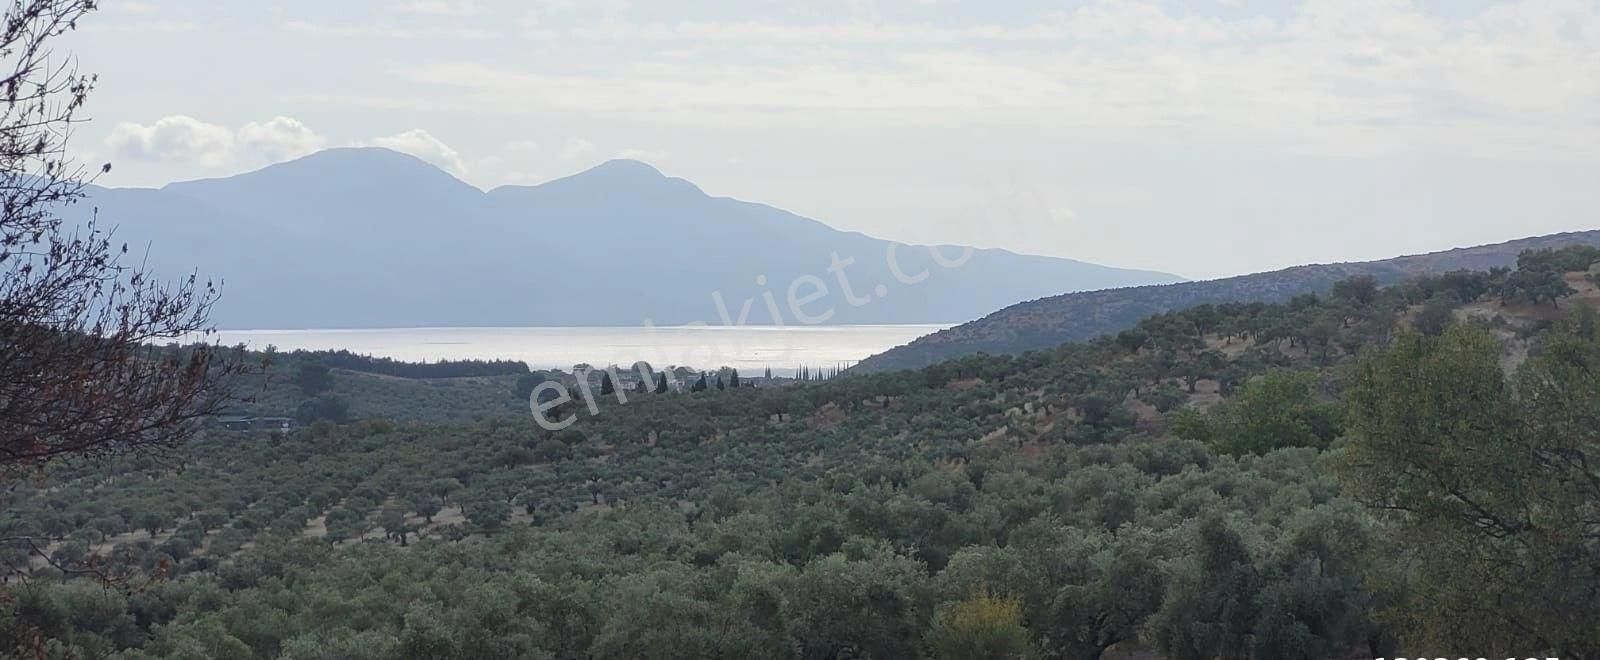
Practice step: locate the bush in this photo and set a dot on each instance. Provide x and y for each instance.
(487, 514)
(552, 450)
(1272, 411)
(980, 628)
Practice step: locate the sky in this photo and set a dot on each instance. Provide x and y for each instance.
(1205, 138)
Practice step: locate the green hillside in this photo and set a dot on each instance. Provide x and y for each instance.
(1047, 322)
(1345, 475)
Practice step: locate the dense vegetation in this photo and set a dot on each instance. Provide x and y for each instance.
(1342, 475)
(390, 367)
(1047, 322)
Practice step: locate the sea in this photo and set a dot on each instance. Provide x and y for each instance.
(750, 349)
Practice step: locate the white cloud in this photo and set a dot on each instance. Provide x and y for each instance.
(377, 30)
(279, 139)
(522, 147)
(174, 139)
(132, 7)
(576, 147)
(553, 6)
(646, 155)
(181, 139)
(1094, 22)
(460, 8)
(1332, 77)
(146, 27)
(522, 178)
(424, 145)
(184, 140)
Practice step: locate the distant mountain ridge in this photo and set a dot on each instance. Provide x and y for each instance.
(1056, 320)
(365, 238)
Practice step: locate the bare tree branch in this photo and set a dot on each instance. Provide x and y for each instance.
(90, 359)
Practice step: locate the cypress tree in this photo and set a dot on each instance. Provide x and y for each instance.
(661, 383)
(733, 379)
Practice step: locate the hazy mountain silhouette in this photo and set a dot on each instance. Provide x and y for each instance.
(375, 238)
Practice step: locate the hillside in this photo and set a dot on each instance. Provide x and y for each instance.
(1102, 499)
(351, 238)
(1068, 317)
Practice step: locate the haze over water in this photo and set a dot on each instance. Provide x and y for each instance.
(748, 348)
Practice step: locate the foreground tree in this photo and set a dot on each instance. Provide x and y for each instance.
(1495, 486)
(84, 372)
(80, 371)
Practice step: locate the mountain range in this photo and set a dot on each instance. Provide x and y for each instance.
(363, 238)
(1058, 319)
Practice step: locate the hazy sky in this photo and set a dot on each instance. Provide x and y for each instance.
(1205, 138)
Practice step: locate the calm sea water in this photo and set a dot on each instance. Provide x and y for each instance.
(748, 348)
